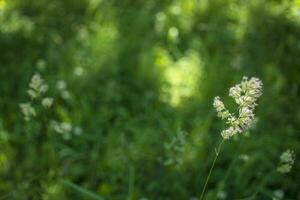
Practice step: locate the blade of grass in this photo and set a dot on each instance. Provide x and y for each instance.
(82, 190)
(131, 183)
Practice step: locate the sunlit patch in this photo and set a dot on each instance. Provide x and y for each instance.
(3, 162)
(2, 4)
(295, 9)
(4, 148)
(14, 22)
(173, 34)
(104, 189)
(181, 76)
(52, 191)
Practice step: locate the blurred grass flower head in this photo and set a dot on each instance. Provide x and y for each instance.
(61, 85)
(66, 129)
(221, 195)
(245, 95)
(278, 194)
(287, 160)
(37, 87)
(175, 148)
(47, 102)
(28, 111)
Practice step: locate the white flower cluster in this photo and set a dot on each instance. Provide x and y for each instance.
(66, 129)
(287, 160)
(61, 86)
(37, 88)
(221, 194)
(175, 148)
(245, 95)
(278, 194)
(47, 102)
(27, 110)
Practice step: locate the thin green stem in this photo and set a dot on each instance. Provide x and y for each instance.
(217, 152)
(230, 168)
(82, 190)
(131, 183)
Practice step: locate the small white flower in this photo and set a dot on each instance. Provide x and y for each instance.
(78, 71)
(32, 94)
(287, 160)
(28, 111)
(287, 156)
(220, 108)
(65, 94)
(244, 157)
(47, 102)
(235, 92)
(36, 82)
(77, 130)
(227, 133)
(278, 194)
(218, 104)
(66, 127)
(175, 148)
(173, 34)
(221, 195)
(37, 87)
(41, 64)
(284, 168)
(43, 88)
(61, 85)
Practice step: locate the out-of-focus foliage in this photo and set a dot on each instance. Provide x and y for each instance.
(126, 76)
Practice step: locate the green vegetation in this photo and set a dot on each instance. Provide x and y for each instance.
(121, 106)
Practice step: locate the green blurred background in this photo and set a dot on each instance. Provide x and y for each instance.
(129, 76)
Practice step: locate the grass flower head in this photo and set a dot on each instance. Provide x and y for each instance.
(245, 95)
(287, 160)
(37, 87)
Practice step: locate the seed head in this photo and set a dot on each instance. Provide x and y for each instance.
(37, 87)
(245, 95)
(28, 111)
(47, 102)
(287, 160)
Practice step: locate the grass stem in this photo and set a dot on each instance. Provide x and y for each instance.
(217, 152)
